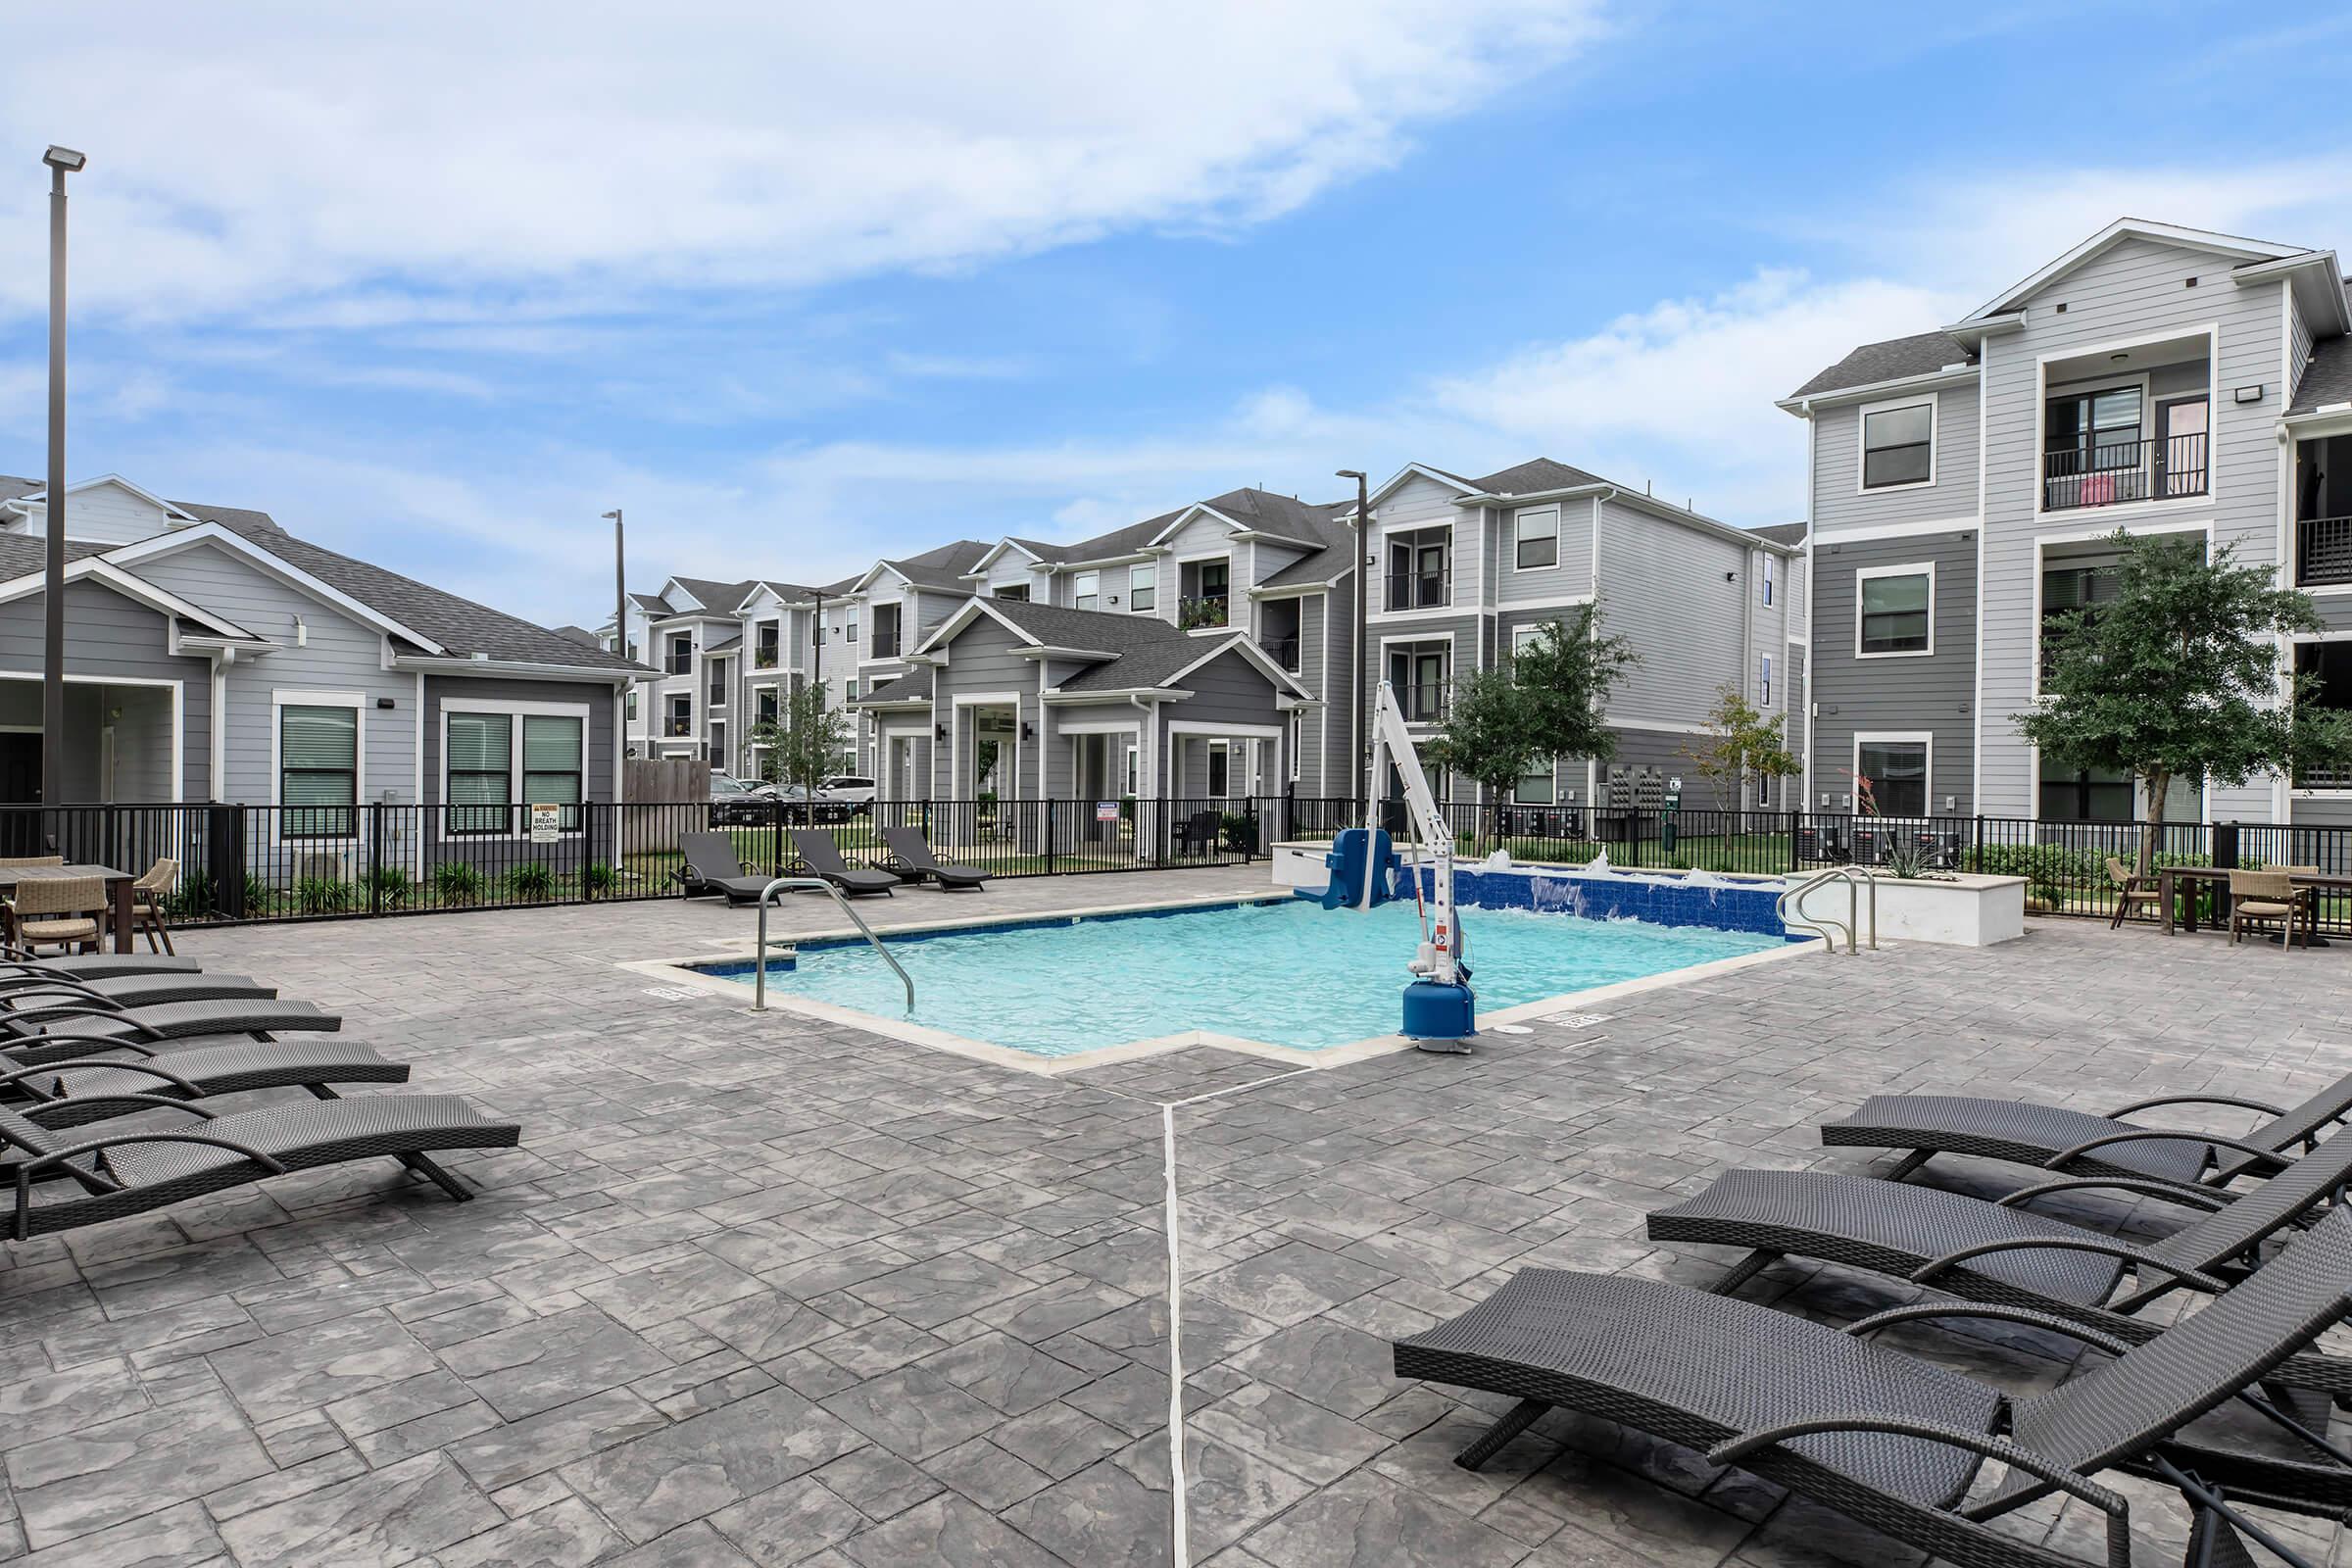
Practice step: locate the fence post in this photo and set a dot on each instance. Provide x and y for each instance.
(1977, 861)
(1049, 835)
(375, 858)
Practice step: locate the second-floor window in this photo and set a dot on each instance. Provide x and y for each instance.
(886, 631)
(771, 643)
(1768, 582)
(1143, 586)
(1764, 683)
(1898, 445)
(1893, 614)
(1535, 538)
(1085, 591)
(851, 621)
(1418, 575)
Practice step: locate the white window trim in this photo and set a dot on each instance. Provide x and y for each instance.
(1554, 772)
(1152, 566)
(1932, 401)
(1894, 737)
(1209, 790)
(1922, 568)
(1768, 560)
(1525, 513)
(2211, 331)
(1380, 564)
(1764, 670)
(358, 702)
(1079, 590)
(1452, 662)
(515, 710)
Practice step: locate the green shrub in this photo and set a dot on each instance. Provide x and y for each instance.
(387, 886)
(260, 897)
(322, 894)
(456, 882)
(598, 879)
(191, 900)
(532, 882)
(1239, 830)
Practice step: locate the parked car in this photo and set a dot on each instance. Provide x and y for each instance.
(801, 809)
(853, 789)
(734, 804)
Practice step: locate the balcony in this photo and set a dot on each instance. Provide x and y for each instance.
(680, 662)
(1423, 701)
(767, 656)
(1203, 609)
(2322, 553)
(677, 725)
(1419, 590)
(2111, 473)
(884, 646)
(1284, 651)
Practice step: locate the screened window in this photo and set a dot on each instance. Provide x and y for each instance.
(552, 753)
(1899, 446)
(1086, 590)
(1897, 771)
(1535, 537)
(481, 772)
(1143, 586)
(1894, 613)
(318, 771)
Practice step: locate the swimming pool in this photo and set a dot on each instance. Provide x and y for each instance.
(1285, 972)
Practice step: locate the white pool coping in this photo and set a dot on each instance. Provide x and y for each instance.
(683, 972)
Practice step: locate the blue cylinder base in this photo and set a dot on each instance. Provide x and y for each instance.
(1436, 1011)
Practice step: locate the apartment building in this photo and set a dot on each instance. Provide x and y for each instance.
(1470, 569)
(1965, 484)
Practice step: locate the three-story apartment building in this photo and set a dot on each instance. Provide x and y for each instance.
(1965, 485)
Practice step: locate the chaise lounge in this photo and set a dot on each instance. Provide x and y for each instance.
(57, 1031)
(92, 1088)
(135, 990)
(711, 867)
(822, 856)
(911, 860)
(96, 965)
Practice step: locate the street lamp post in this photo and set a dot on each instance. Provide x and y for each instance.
(1358, 731)
(61, 161)
(621, 596)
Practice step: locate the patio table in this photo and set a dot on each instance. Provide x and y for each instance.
(118, 887)
(2170, 876)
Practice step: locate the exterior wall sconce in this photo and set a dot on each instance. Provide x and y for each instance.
(939, 731)
(2248, 394)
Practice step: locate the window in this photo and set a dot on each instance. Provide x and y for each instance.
(1220, 769)
(1143, 586)
(1768, 582)
(1418, 673)
(681, 654)
(680, 719)
(554, 749)
(852, 633)
(1897, 771)
(631, 714)
(770, 649)
(1129, 773)
(318, 771)
(1537, 789)
(1535, 537)
(716, 753)
(717, 691)
(1524, 637)
(1892, 610)
(1898, 445)
(2088, 794)
(1017, 591)
(481, 772)
(849, 692)
(1086, 590)
(2071, 589)
(886, 631)
(1418, 576)
(767, 705)
(1764, 684)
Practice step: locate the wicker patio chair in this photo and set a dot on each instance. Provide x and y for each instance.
(133, 1173)
(2264, 898)
(2076, 1143)
(129, 991)
(2000, 1253)
(62, 912)
(822, 856)
(147, 896)
(93, 1088)
(18, 862)
(53, 1031)
(912, 860)
(2132, 892)
(94, 966)
(1894, 1441)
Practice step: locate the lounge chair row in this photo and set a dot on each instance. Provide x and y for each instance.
(93, 1038)
(711, 865)
(1897, 1443)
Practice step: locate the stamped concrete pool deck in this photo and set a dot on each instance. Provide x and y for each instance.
(768, 1289)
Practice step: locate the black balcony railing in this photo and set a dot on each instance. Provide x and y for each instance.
(676, 725)
(680, 664)
(1419, 590)
(1202, 610)
(1284, 651)
(2110, 473)
(766, 658)
(2323, 551)
(884, 646)
(1423, 701)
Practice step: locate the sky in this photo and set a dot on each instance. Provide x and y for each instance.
(799, 286)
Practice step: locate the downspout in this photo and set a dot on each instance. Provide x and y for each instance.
(217, 765)
(1146, 761)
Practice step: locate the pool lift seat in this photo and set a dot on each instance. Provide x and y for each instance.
(1440, 1012)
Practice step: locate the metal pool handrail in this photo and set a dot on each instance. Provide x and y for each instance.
(784, 884)
(1789, 907)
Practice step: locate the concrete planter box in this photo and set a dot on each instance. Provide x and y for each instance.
(1965, 911)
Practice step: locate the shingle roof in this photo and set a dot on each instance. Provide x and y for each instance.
(913, 686)
(651, 603)
(1535, 476)
(1922, 354)
(580, 634)
(1149, 663)
(1106, 631)
(1117, 542)
(942, 568)
(718, 598)
(23, 553)
(1782, 533)
(2327, 377)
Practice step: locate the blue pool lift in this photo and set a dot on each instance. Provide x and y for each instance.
(1441, 1013)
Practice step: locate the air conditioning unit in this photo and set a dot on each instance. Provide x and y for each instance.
(325, 866)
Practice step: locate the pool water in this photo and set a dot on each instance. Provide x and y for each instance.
(1286, 972)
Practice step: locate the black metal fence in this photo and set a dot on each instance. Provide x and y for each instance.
(265, 863)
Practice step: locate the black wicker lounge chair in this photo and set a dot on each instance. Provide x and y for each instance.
(1999, 1252)
(132, 1172)
(711, 867)
(53, 1031)
(1894, 1442)
(97, 966)
(2083, 1145)
(93, 1088)
(822, 856)
(911, 860)
(131, 990)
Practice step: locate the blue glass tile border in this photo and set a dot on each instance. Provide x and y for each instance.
(1611, 896)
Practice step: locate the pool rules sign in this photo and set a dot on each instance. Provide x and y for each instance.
(547, 823)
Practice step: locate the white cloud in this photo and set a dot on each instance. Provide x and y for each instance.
(336, 162)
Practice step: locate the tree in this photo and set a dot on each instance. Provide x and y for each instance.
(807, 739)
(2178, 677)
(1545, 702)
(1738, 741)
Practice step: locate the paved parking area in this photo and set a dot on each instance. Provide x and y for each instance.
(762, 1291)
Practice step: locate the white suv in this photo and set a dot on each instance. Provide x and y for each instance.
(850, 789)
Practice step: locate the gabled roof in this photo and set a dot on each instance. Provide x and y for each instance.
(913, 687)
(1253, 510)
(37, 493)
(2233, 247)
(942, 568)
(1791, 534)
(579, 634)
(651, 603)
(2327, 378)
(1121, 651)
(95, 567)
(716, 596)
(1897, 359)
(1533, 476)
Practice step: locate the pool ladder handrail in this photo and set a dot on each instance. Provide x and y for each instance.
(1789, 907)
(786, 884)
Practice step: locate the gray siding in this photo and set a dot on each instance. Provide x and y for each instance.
(110, 637)
(1931, 694)
(1227, 691)
(1421, 502)
(458, 691)
(1837, 502)
(1573, 573)
(1663, 588)
(983, 658)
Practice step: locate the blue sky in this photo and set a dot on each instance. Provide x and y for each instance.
(797, 291)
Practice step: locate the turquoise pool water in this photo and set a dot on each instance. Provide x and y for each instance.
(1286, 972)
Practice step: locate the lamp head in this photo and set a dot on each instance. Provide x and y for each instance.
(65, 160)
(613, 515)
(1349, 473)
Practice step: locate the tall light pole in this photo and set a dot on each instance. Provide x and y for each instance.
(61, 161)
(621, 598)
(1358, 728)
